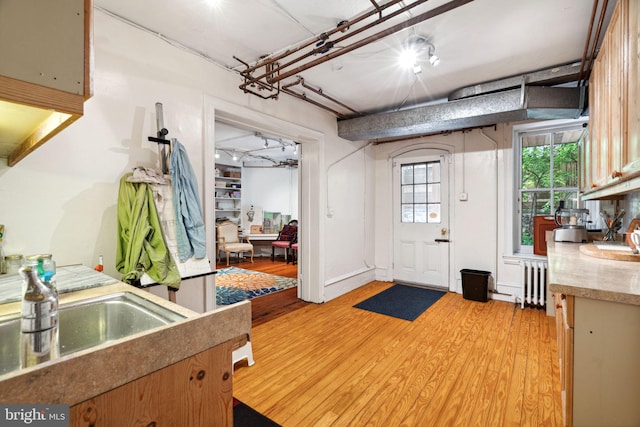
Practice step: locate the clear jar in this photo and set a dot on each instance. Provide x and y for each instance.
(13, 263)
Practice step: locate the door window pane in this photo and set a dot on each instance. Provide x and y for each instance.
(407, 194)
(407, 174)
(434, 213)
(420, 173)
(421, 213)
(421, 193)
(434, 193)
(433, 172)
(407, 213)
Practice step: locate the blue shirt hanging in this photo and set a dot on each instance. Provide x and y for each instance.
(190, 234)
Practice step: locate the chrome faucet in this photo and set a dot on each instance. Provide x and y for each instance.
(39, 326)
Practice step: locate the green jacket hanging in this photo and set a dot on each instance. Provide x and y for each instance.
(141, 244)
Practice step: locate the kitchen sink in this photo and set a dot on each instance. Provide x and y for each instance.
(87, 323)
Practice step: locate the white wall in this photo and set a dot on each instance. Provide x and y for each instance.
(63, 197)
(269, 189)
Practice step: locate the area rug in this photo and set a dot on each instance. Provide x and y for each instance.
(235, 284)
(401, 301)
(246, 416)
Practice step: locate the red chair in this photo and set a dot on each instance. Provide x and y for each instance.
(287, 236)
(294, 253)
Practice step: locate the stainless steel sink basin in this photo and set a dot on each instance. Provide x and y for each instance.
(87, 323)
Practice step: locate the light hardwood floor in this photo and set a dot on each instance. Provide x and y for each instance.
(461, 363)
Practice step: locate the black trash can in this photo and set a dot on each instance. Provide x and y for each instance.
(475, 284)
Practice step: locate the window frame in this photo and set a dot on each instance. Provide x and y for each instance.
(427, 201)
(538, 129)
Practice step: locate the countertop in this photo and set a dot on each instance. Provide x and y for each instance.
(574, 273)
(79, 376)
(68, 279)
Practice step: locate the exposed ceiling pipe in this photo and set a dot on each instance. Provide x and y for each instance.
(323, 46)
(321, 93)
(594, 46)
(377, 7)
(319, 38)
(587, 41)
(304, 97)
(384, 33)
(363, 42)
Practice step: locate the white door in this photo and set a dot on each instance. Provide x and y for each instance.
(421, 219)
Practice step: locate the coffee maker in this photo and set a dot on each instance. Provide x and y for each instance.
(572, 223)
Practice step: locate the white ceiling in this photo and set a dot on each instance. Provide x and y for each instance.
(481, 41)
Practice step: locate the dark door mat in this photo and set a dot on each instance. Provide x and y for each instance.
(246, 416)
(401, 301)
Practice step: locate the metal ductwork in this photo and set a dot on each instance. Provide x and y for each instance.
(525, 103)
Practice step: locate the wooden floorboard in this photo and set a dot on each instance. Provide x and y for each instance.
(460, 363)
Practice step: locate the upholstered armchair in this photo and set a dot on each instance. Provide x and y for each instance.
(229, 240)
(287, 236)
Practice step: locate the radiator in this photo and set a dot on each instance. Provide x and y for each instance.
(534, 283)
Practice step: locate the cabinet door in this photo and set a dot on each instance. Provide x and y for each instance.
(616, 92)
(584, 153)
(632, 163)
(599, 120)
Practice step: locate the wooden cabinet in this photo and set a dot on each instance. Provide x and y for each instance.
(610, 157)
(45, 72)
(598, 347)
(632, 101)
(228, 193)
(564, 332)
(194, 392)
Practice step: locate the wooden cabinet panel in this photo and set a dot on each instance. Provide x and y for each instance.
(611, 162)
(564, 331)
(632, 101)
(616, 92)
(194, 392)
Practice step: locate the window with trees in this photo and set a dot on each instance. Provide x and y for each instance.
(548, 174)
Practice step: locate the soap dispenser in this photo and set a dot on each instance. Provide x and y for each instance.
(39, 326)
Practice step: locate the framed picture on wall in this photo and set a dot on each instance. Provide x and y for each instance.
(255, 229)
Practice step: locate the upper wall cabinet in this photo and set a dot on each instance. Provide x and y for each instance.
(611, 155)
(45, 71)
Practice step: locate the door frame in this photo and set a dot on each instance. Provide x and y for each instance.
(448, 151)
(310, 187)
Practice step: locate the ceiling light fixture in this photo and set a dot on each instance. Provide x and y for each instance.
(414, 49)
(217, 154)
(235, 157)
